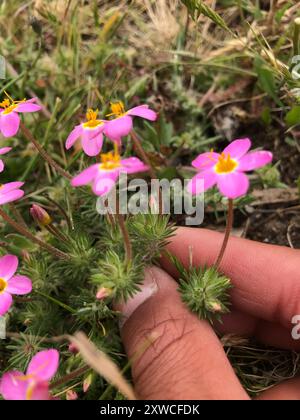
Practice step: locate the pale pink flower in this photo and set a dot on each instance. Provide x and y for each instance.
(11, 192)
(11, 284)
(3, 151)
(227, 169)
(103, 176)
(122, 124)
(90, 134)
(9, 114)
(34, 384)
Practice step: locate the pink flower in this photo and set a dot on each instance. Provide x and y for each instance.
(11, 284)
(90, 133)
(104, 175)
(11, 192)
(122, 124)
(3, 151)
(33, 385)
(227, 169)
(9, 118)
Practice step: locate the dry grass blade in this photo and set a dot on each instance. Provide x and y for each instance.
(102, 364)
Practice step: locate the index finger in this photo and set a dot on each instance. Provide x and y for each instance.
(266, 278)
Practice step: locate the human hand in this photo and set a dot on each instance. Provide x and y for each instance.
(186, 359)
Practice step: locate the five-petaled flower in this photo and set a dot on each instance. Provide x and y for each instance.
(227, 169)
(9, 110)
(11, 284)
(90, 133)
(11, 192)
(34, 384)
(122, 123)
(104, 175)
(3, 151)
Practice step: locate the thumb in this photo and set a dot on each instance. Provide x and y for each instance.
(185, 359)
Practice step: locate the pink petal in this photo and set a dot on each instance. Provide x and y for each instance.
(119, 127)
(202, 182)
(10, 186)
(8, 266)
(9, 124)
(11, 196)
(105, 181)
(233, 185)
(19, 285)
(92, 141)
(86, 176)
(44, 365)
(254, 160)
(1, 165)
(238, 148)
(13, 388)
(5, 150)
(132, 165)
(205, 160)
(39, 391)
(73, 136)
(5, 302)
(28, 106)
(143, 111)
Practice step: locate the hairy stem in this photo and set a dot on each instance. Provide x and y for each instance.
(125, 234)
(25, 232)
(226, 235)
(27, 133)
(143, 155)
(70, 376)
(17, 215)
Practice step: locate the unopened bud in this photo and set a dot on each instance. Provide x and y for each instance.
(215, 306)
(72, 348)
(87, 382)
(40, 215)
(71, 395)
(103, 293)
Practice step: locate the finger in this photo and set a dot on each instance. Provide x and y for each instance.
(271, 334)
(287, 390)
(186, 359)
(266, 278)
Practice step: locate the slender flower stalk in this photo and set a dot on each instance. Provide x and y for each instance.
(226, 235)
(17, 215)
(143, 155)
(25, 232)
(125, 234)
(27, 133)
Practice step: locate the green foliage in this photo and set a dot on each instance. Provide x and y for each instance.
(204, 290)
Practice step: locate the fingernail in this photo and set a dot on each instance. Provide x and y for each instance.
(148, 289)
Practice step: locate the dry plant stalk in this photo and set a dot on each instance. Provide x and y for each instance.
(102, 364)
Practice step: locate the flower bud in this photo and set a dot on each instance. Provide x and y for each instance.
(87, 382)
(71, 395)
(103, 293)
(40, 215)
(72, 348)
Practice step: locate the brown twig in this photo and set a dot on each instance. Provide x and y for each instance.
(226, 235)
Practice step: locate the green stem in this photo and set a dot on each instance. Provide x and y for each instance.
(43, 152)
(25, 232)
(57, 302)
(226, 235)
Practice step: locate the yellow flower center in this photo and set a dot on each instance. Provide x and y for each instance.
(117, 109)
(92, 121)
(9, 104)
(110, 161)
(225, 164)
(3, 285)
